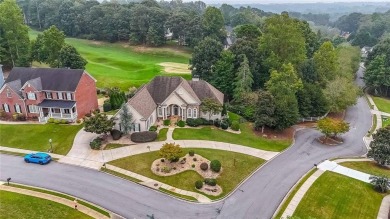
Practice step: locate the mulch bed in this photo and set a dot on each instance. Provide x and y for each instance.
(286, 134)
(330, 141)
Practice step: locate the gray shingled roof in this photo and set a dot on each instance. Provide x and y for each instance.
(161, 87)
(36, 83)
(56, 79)
(15, 85)
(157, 91)
(143, 102)
(205, 90)
(65, 104)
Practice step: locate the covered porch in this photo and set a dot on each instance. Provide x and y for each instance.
(57, 109)
(172, 111)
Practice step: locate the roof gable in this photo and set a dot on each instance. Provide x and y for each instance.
(143, 103)
(161, 87)
(205, 90)
(55, 79)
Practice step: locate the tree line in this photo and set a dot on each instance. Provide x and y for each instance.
(278, 72)
(365, 29)
(16, 49)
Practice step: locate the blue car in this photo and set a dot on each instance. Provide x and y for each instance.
(41, 158)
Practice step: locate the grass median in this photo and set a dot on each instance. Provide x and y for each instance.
(236, 167)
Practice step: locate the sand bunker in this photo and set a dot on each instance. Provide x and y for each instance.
(175, 68)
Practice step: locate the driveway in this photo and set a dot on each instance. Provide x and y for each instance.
(258, 197)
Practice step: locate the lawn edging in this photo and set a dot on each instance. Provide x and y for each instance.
(87, 204)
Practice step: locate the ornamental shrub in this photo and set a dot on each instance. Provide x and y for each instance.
(210, 182)
(140, 137)
(204, 166)
(116, 134)
(166, 169)
(96, 143)
(199, 184)
(64, 121)
(170, 151)
(215, 165)
(153, 128)
(224, 124)
(228, 121)
(181, 123)
(57, 121)
(235, 126)
(107, 107)
(21, 117)
(51, 120)
(200, 121)
(191, 153)
(167, 122)
(193, 165)
(191, 122)
(217, 123)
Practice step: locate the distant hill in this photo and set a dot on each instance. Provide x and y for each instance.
(335, 10)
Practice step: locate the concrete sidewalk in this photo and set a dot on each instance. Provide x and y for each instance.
(64, 201)
(335, 167)
(82, 155)
(151, 183)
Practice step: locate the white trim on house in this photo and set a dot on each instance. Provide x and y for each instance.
(6, 108)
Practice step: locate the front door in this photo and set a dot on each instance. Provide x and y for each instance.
(175, 110)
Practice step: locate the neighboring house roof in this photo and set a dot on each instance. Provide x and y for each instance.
(55, 79)
(57, 103)
(160, 88)
(36, 83)
(205, 90)
(15, 85)
(143, 102)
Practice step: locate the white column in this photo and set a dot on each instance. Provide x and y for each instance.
(71, 112)
(61, 112)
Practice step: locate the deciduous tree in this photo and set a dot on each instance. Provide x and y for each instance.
(332, 127)
(98, 123)
(325, 62)
(341, 93)
(170, 151)
(265, 111)
(14, 41)
(205, 55)
(210, 106)
(380, 146)
(70, 58)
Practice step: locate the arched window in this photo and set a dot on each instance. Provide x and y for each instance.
(189, 113)
(195, 113)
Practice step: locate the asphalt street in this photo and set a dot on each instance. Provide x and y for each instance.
(258, 197)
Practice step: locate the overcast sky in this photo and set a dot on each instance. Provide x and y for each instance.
(283, 1)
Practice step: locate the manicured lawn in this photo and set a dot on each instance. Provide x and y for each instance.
(368, 167)
(162, 134)
(36, 137)
(228, 180)
(383, 104)
(246, 138)
(336, 196)
(123, 66)
(14, 205)
(385, 122)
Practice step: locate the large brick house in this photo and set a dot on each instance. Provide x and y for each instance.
(45, 93)
(171, 97)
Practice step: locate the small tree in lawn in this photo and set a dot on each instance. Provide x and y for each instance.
(380, 146)
(126, 118)
(170, 151)
(98, 123)
(380, 183)
(332, 127)
(210, 106)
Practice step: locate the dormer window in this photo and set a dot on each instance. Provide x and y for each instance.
(48, 95)
(9, 93)
(31, 96)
